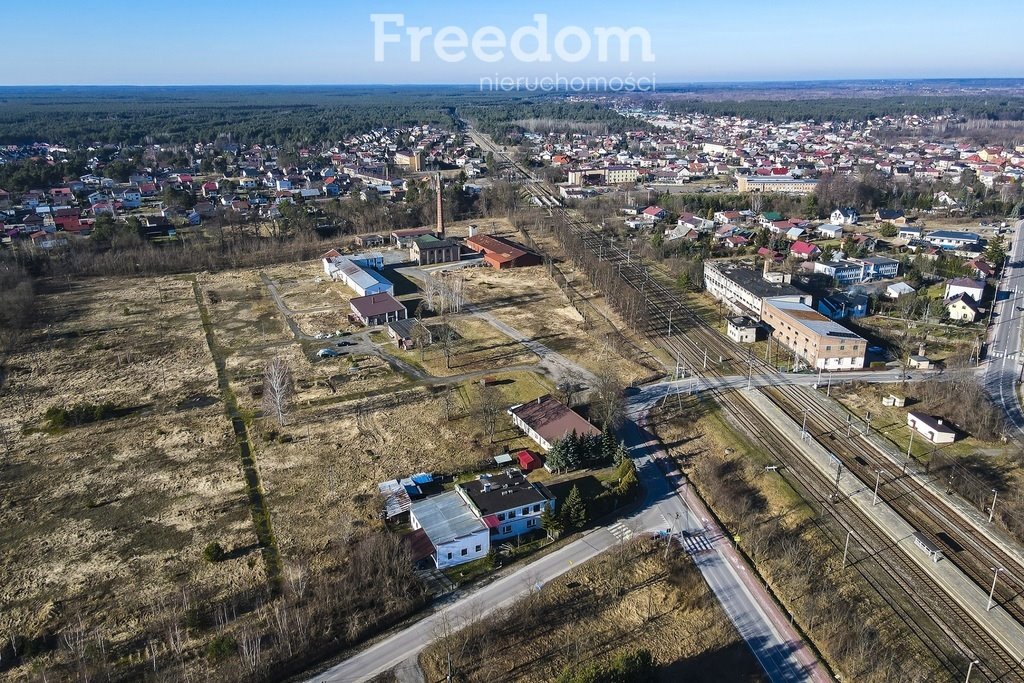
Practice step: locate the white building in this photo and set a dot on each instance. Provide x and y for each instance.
(845, 216)
(931, 427)
(508, 503)
(453, 527)
(358, 272)
(965, 285)
(744, 290)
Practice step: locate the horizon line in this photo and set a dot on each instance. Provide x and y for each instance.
(866, 79)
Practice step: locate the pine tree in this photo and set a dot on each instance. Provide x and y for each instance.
(574, 510)
(551, 523)
(621, 454)
(608, 445)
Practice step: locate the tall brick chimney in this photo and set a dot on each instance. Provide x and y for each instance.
(440, 208)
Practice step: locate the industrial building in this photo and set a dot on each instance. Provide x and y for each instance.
(500, 253)
(744, 289)
(813, 338)
(358, 272)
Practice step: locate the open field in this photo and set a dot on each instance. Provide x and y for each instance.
(105, 522)
(627, 599)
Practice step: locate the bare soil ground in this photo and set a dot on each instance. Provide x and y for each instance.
(627, 599)
(106, 520)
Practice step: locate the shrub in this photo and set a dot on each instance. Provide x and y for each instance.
(221, 647)
(214, 552)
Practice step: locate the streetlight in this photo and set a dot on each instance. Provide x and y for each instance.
(992, 509)
(878, 478)
(992, 592)
(969, 669)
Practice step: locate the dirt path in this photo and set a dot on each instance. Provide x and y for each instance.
(253, 486)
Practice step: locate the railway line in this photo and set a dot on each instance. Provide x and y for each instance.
(971, 551)
(689, 339)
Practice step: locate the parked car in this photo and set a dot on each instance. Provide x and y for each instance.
(327, 353)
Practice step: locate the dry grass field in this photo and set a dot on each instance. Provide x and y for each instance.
(103, 522)
(628, 599)
(103, 525)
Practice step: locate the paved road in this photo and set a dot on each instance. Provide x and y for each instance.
(784, 656)
(1004, 352)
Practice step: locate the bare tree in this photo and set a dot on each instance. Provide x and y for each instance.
(278, 387)
(490, 404)
(609, 403)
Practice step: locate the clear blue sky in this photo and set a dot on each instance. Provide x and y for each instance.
(257, 41)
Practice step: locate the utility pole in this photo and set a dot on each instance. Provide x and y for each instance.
(991, 593)
(839, 473)
(992, 509)
(803, 427)
(867, 422)
(909, 446)
(828, 388)
(846, 548)
(706, 358)
(878, 479)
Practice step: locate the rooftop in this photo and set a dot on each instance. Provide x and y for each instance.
(807, 317)
(445, 517)
(499, 492)
(754, 282)
(376, 304)
(551, 420)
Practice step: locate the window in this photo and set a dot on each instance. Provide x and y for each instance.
(531, 523)
(536, 508)
(449, 556)
(507, 529)
(526, 511)
(501, 516)
(511, 514)
(465, 551)
(479, 548)
(828, 348)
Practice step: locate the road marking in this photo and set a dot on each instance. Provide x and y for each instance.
(620, 531)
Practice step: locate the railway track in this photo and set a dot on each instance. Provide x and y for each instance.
(914, 596)
(688, 338)
(973, 552)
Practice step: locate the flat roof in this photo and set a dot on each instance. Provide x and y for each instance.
(446, 517)
(812, 320)
(753, 281)
(500, 492)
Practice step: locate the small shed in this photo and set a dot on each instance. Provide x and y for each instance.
(918, 362)
(503, 460)
(528, 461)
(894, 400)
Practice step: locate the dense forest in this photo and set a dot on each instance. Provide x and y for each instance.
(996, 107)
(283, 116)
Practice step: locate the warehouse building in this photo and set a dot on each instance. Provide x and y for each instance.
(818, 341)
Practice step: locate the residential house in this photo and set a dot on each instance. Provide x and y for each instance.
(965, 285)
(894, 216)
(908, 232)
(655, 213)
(804, 250)
(508, 503)
(841, 306)
(546, 420)
(830, 231)
(409, 332)
(377, 309)
(932, 428)
(962, 307)
(845, 216)
(456, 533)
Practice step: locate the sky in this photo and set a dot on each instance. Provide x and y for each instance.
(186, 42)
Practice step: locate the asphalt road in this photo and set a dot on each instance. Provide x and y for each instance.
(1004, 351)
(784, 656)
